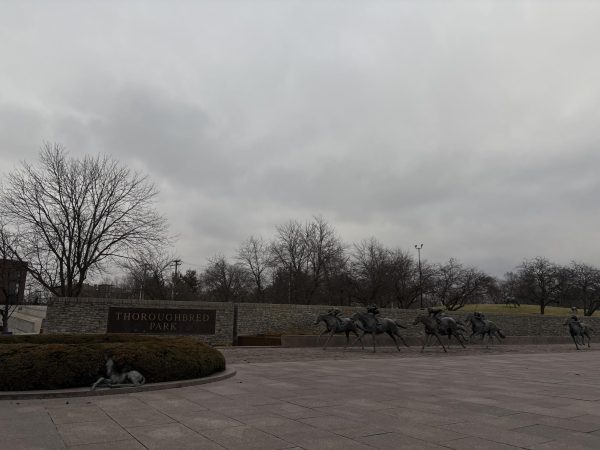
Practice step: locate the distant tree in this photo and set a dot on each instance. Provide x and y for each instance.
(74, 216)
(585, 286)
(289, 259)
(149, 274)
(370, 265)
(305, 260)
(253, 254)
(404, 278)
(325, 255)
(225, 282)
(539, 282)
(187, 285)
(7, 307)
(456, 285)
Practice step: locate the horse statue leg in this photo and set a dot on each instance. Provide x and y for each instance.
(320, 335)
(459, 338)
(425, 341)
(101, 380)
(359, 338)
(574, 340)
(401, 338)
(331, 334)
(440, 341)
(390, 334)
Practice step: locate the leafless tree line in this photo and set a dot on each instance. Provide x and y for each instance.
(71, 218)
(307, 263)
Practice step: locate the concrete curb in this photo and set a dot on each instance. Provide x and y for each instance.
(86, 392)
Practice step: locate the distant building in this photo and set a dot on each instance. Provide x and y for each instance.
(12, 281)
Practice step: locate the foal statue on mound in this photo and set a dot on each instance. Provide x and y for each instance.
(481, 326)
(371, 323)
(116, 378)
(335, 324)
(578, 330)
(438, 325)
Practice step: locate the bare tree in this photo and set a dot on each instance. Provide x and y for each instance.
(10, 278)
(74, 216)
(404, 277)
(325, 253)
(457, 285)
(289, 255)
(370, 266)
(254, 255)
(148, 274)
(539, 282)
(585, 286)
(225, 282)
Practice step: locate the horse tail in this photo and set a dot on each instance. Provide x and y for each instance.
(397, 322)
(500, 333)
(142, 379)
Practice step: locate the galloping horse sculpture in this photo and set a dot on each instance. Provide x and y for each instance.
(447, 326)
(335, 324)
(578, 330)
(482, 327)
(369, 323)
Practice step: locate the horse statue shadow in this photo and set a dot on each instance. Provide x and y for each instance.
(482, 327)
(335, 324)
(579, 331)
(118, 378)
(369, 323)
(446, 327)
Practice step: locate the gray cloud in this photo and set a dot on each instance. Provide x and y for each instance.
(470, 127)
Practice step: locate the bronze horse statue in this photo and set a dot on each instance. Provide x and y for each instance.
(335, 324)
(578, 330)
(447, 326)
(369, 323)
(481, 326)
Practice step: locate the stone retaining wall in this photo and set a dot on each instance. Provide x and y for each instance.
(90, 315)
(87, 315)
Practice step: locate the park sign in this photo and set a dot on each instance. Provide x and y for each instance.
(161, 320)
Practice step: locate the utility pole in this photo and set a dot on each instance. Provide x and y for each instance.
(177, 263)
(420, 273)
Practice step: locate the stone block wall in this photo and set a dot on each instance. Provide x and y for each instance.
(258, 318)
(90, 315)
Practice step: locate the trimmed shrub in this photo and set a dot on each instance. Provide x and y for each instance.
(66, 361)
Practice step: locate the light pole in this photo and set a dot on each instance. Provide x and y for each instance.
(419, 247)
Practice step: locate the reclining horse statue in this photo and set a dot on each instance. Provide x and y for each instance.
(335, 324)
(116, 378)
(369, 323)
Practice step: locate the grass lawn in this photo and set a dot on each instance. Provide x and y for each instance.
(523, 309)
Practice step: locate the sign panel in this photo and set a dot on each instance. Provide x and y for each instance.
(161, 320)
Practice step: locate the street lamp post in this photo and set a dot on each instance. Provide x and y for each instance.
(419, 247)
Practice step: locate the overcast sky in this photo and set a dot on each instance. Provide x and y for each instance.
(471, 127)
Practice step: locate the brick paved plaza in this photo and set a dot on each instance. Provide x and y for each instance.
(527, 397)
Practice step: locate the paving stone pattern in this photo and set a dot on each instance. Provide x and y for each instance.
(544, 399)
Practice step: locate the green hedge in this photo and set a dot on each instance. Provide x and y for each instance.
(65, 361)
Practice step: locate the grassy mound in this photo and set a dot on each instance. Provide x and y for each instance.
(525, 310)
(66, 361)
